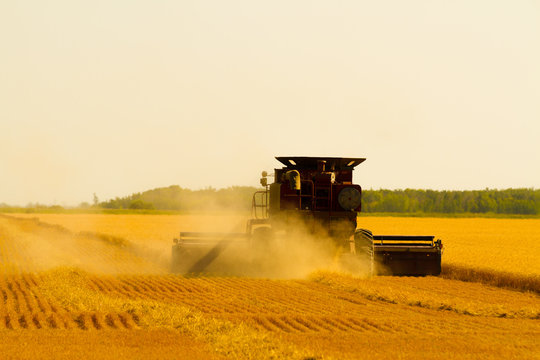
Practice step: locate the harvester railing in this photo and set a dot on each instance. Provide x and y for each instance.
(260, 201)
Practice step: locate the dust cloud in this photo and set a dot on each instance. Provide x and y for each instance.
(30, 245)
(33, 245)
(291, 254)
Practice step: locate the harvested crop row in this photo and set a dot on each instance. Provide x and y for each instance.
(82, 321)
(349, 317)
(23, 306)
(209, 296)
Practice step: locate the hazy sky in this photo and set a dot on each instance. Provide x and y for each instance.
(116, 97)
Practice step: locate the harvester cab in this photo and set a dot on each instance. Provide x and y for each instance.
(315, 195)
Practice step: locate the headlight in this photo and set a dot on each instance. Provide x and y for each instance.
(349, 198)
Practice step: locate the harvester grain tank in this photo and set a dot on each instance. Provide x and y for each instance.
(319, 194)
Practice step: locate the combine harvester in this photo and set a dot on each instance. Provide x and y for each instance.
(316, 195)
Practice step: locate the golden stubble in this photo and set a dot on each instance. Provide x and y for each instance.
(116, 286)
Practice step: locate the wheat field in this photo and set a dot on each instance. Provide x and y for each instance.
(98, 286)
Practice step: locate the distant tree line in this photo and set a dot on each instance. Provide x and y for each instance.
(177, 198)
(509, 201)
